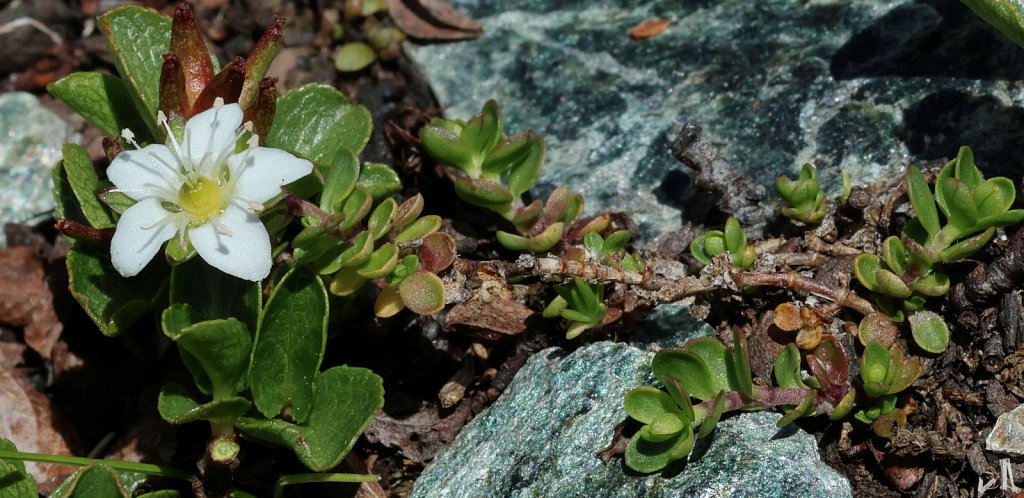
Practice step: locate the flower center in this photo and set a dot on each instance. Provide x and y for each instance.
(201, 198)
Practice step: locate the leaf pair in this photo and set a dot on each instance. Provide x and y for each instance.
(803, 198)
(885, 371)
(732, 240)
(581, 303)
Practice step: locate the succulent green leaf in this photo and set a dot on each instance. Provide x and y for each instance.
(381, 262)
(524, 172)
(340, 178)
(698, 251)
(864, 267)
(714, 243)
(409, 210)
(512, 241)
(787, 368)
(593, 243)
(963, 213)
(902, 371)
(15, 482)
(356, 207)
(545, 240)
(1004, 15)
(317, 121)
(645, 403)
(354, 56)
(691, 371)
(845, 406)
(113, 302)
(447, 148)
(380, 180)
(137, 38)
(103, 100)
(423, 293)
(360, 251)
(929, 330)
(648, 456)
(966, 247)
(289, 346)
(785, 186)
(382, 219)
(419, 229)
(714, 355)
(921, 198)
(806, 407)
(1008, 218)
(738, 366)
(346, 282)
(664, 426)
(616, 242)
(507, 153)
(994, 197)
(86, 185)
(933, 285)
(347, 399)
(485, 193)
(894, 253)
(874, 368)
(735, 239)
(93, 481)
(891, 285)
(965, 170)
(483, 132)
(555, 307)
(177, 406)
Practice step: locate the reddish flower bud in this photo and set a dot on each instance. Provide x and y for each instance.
(261, 112)
(259, 60)
(84, 233)
(173, 98)
(188, 45)
(226, 85)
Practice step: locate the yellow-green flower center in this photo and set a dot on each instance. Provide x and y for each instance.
(201, 198)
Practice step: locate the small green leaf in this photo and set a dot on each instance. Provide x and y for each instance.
(524, 172)
(381, 219)
(963, 213)
(290, 345)
(316, 121)
(137, 39)
(714, 243)
(116, 200)
(483, 132)
(103, 100)
(806, 407)
(86, 185)
(484, 193)
(787, 368)
(220, 348)
(895, 255)
(698, 251)
(664, 426)
(340, 179)
(423, 293)
(735, 240)
(966, 247)
(15, 482)
(419, 229)
(312, 242)
(874, 367)
(714, 354)
(717, 408)
(354, 56)
(507, 153)
(929, 330)
(380, 263)
(347, 399)
(966, 171)
(113, 302)
(933, 285)
(356, 207)
(864, 267)
(921, 198)
(409, 211)
(380, 180)
(447, 148)
(177, 406)
(511, 241)
(891, 285)
(648, 456)
(691, 371)
(645, 403)
(738, 366)
(93, 481)
(213, 294)
(358, 252)
(1008, 218)
(994, 197)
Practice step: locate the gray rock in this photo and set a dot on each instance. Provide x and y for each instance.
(30, 141)
(863, 85)
(1007, 435)
(542, 435)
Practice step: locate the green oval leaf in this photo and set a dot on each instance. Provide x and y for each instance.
(735, 239)
(220, 350)
(966, 247)
(645, 403)
(381, 219)
(419, 229)
(994, 197)
(447, 148)
(921, 198)
(523, 172)
(93, 481)
(891, 285)
(380, 263)
(103, 100)
(380, 180)
(340, 178)
(347, 399)
(290, 345)
(714, 355)
(895, 255)
(787, 368)
(963, 213)
(482, 132)
(86, 186)
(316, 121)
(113, 302)
(485, 193)
(664, 426)
(690, 370)
(177, 406)
(354, 57)
(929, 330)
(423, 293)
(648, 456)
(356, 207)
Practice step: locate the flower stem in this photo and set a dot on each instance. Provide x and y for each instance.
(311, 478)
(145, 468)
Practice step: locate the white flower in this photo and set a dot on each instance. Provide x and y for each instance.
(203, 190)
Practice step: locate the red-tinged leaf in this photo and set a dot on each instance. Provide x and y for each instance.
(432, 20)
(259, 61)
(226, 85)
(173, 98)
(437, 252)
(187, 43)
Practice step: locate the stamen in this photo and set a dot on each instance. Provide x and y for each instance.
(253, 142)
(221, 228)
(163, 221)
(129, 137)
(247, 204)
(162, 119)
(248, 126)
(181, 240)
(218, 103)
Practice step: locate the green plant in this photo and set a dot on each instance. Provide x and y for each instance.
(732, 241)
(496, 170)
(804, 201)
(909, 269)
(581, 303)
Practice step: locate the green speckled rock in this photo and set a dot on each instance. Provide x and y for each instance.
(865, 85)
(540, 438)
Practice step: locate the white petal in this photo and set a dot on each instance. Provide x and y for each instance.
(141, 231)
(211, 132)
(260, 172)
(146, 173)
(245, 253)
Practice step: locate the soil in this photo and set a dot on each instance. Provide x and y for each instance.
(441, 370)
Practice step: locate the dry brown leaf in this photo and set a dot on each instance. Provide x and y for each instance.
(26, 300)
(500, 315)
(150, 440)
(432, 20)
(11, 355)
(648, 28)
(27, 420)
